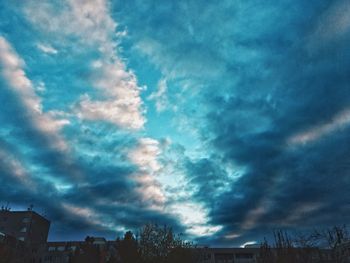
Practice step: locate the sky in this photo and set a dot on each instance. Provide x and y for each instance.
(224, 120)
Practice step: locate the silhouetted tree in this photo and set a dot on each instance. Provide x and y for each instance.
(334, 238)
(159, 245)
(285, 250)
(128, 249)
(282, 251)
(265, 253)
(326, 245)
(307, 247)
(155, 243)
(185, 253)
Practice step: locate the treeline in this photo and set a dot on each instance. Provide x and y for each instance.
(158, 244)
(325, 245)
(153, 244)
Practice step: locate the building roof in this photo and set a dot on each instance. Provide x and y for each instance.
(25, 212)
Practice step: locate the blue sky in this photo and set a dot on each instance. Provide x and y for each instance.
(224, 120)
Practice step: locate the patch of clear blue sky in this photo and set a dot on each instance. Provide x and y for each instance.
(160, 124)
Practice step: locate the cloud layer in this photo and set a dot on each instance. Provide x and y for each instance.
(267, 93)
(225, 120)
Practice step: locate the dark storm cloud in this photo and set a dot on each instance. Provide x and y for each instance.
(209, 171)
(271, 75)
(287, 185)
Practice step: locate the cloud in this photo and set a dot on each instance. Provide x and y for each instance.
(160, 96)
(119, 112)
(333, 24)
(90, 216)
(47, 48)
(197, 224)
(145, 157)
(10, 163)
(123, 106)
(13, 73)
(91, 22)
(340, 121)
(248, 81)
(75, 138)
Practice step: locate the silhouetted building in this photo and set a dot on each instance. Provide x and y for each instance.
(13, 250)
(230, 255)
(60, 252)
(27, 226)
(252, 255)
(343, 252)
(93, 249)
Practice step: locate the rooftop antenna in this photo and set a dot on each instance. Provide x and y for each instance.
(6, 207)
(30, 208)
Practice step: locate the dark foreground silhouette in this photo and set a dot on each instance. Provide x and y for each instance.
(158, 244)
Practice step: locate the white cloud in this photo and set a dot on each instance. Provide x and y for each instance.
(195, 217)
(12, 71)
(47, 48)
(334, 23)
(339, 121)
(87, 19)
(90, 216)
(160, 96)
(145, 157)
(93, 26)
(123, 105)
(119, 112)
(17, 170)
(40, 87)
